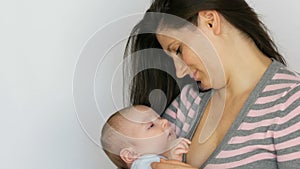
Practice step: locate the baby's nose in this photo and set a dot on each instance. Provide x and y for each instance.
(164, 123)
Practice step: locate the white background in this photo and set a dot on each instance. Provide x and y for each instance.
(40, 42)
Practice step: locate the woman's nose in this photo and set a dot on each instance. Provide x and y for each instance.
(181, 68)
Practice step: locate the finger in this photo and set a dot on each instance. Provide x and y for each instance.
(182, 145)
(187, 141)
(170, 164)
(185, 145)
(181, 151)
(173, 162)
(154, 165)
(164, 165)
(183, 139)
(157, 165)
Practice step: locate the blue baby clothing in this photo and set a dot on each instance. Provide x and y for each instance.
(144, 162)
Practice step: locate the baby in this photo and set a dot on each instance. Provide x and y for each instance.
(136, 136)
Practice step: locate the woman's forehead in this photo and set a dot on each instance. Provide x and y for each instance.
(164, 40)
(183, 34)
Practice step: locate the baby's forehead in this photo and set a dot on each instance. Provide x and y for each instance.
(139, 114)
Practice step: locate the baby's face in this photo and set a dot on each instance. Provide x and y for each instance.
(149, 133)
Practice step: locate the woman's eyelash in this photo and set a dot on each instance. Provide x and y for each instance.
(178, 51)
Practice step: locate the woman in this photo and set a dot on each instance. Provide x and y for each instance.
(248, 110)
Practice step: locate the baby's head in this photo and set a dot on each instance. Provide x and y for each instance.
(134, 131)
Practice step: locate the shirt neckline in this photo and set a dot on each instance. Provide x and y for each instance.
(269, 73)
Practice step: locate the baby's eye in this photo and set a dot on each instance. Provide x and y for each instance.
(150, 126)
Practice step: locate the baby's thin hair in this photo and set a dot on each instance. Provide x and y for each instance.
(112, 122)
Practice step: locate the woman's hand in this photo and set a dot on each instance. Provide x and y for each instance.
(170, 164)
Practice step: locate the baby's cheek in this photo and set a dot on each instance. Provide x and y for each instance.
(153, 145)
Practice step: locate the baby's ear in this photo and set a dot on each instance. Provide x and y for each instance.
(128, 155)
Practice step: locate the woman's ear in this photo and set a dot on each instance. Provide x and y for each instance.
(210, 19)
(128, 155)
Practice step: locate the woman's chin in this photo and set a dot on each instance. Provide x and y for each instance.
(202, 87)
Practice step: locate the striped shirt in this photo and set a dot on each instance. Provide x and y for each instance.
(266, 133)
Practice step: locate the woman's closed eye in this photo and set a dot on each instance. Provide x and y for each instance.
(178, 51)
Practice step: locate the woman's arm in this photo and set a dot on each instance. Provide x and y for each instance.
(171, 164)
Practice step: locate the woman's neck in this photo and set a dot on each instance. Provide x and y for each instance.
(248, 64)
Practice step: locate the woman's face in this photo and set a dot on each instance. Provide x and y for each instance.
(186, 61)
(193, 54)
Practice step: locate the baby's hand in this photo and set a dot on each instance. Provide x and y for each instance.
(179, 147)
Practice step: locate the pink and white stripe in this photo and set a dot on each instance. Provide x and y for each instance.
(286, 77)
(261, 156)
(282, 107)
(268, 99)
(268, 134)
(268, 122)
(277, 86)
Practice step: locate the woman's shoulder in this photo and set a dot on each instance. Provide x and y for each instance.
(283, 80)
(282, 91)
(286, 74)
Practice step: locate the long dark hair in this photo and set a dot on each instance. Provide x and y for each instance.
(237, 12)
